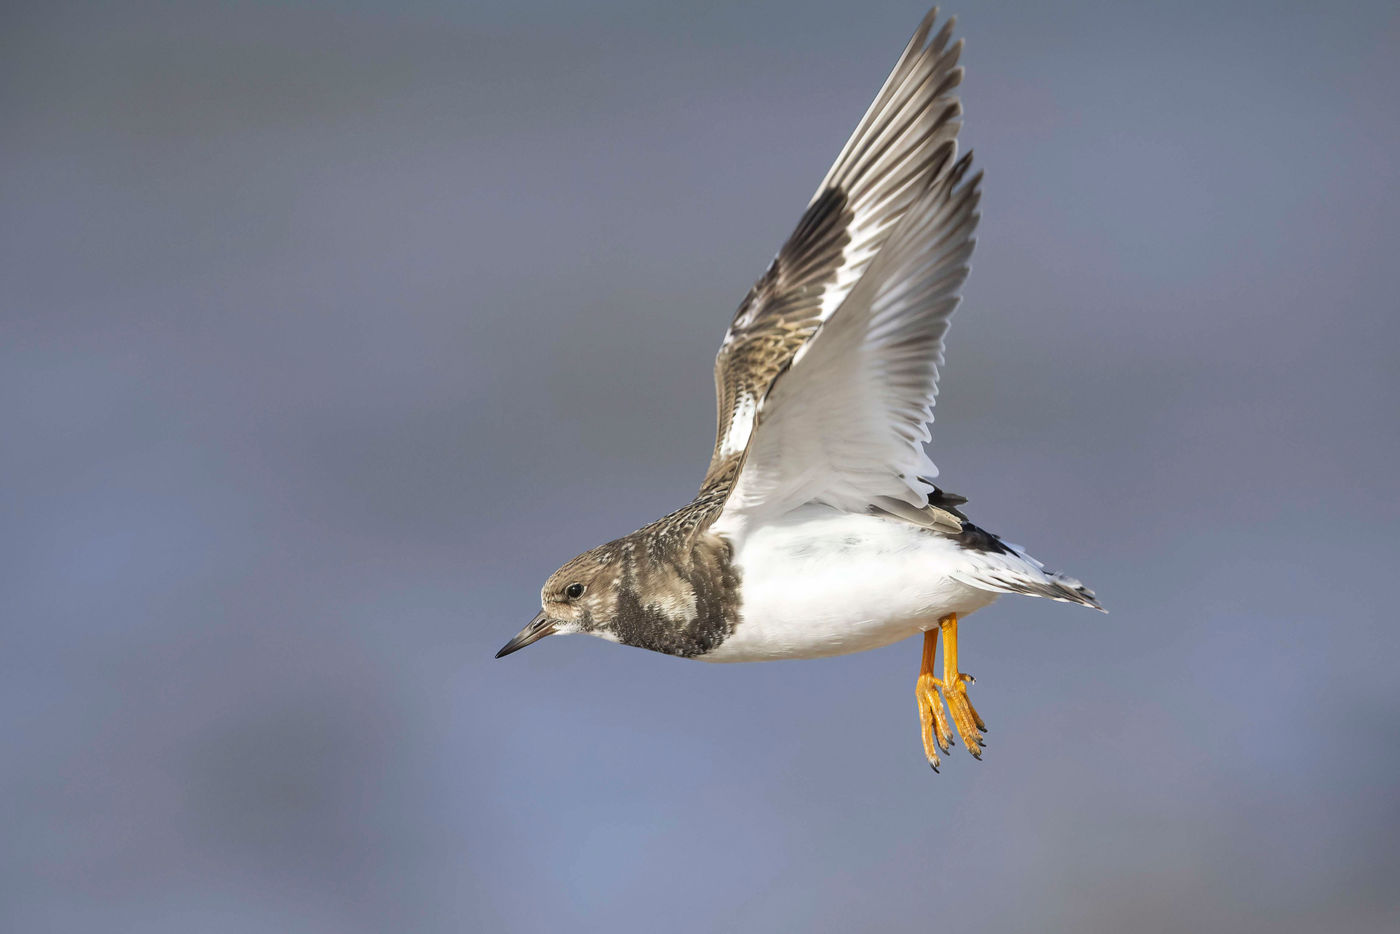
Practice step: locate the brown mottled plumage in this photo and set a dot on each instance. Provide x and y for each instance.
(660, 588)
(817, 530)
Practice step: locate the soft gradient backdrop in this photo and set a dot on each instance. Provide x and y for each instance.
(330, 329)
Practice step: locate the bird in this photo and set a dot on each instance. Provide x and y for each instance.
(818, 529)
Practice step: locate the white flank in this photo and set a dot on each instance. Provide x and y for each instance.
(820, 582)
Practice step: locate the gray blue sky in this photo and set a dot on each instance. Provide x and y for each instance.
(329, 330)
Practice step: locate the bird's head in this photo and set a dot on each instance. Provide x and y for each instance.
(579, 597)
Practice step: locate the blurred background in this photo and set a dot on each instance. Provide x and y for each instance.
(330, 329)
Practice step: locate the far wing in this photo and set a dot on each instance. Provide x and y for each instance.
(905, 141)
(846, 424)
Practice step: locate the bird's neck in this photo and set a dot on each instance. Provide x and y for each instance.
(678, 594)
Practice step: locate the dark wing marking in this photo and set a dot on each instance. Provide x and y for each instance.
(904, 142)
(846, 424)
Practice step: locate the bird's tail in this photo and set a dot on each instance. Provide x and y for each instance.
(1011, 570)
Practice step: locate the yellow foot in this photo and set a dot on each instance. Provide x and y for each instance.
(933, 722)
(954, 685)
(932, 693)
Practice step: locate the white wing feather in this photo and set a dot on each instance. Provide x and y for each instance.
(846, 424)
(906, 138)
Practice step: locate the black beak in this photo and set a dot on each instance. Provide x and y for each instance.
(538, 628)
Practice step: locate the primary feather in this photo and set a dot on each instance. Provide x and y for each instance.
(899, 158)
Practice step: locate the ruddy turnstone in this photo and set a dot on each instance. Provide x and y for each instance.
(817, 530)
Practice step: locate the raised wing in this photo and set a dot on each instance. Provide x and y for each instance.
(847, 422)
(905, 141)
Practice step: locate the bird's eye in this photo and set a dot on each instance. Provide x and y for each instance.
(573, 591)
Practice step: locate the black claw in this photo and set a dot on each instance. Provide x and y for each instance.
(934, 767)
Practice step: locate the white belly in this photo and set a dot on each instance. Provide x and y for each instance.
(822, 582)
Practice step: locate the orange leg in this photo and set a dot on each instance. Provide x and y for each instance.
(932, 692)
(954, 685)
(932, 720)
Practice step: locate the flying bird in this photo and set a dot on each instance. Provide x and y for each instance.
(817, 530)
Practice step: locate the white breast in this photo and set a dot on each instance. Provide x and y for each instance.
(821, 582)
